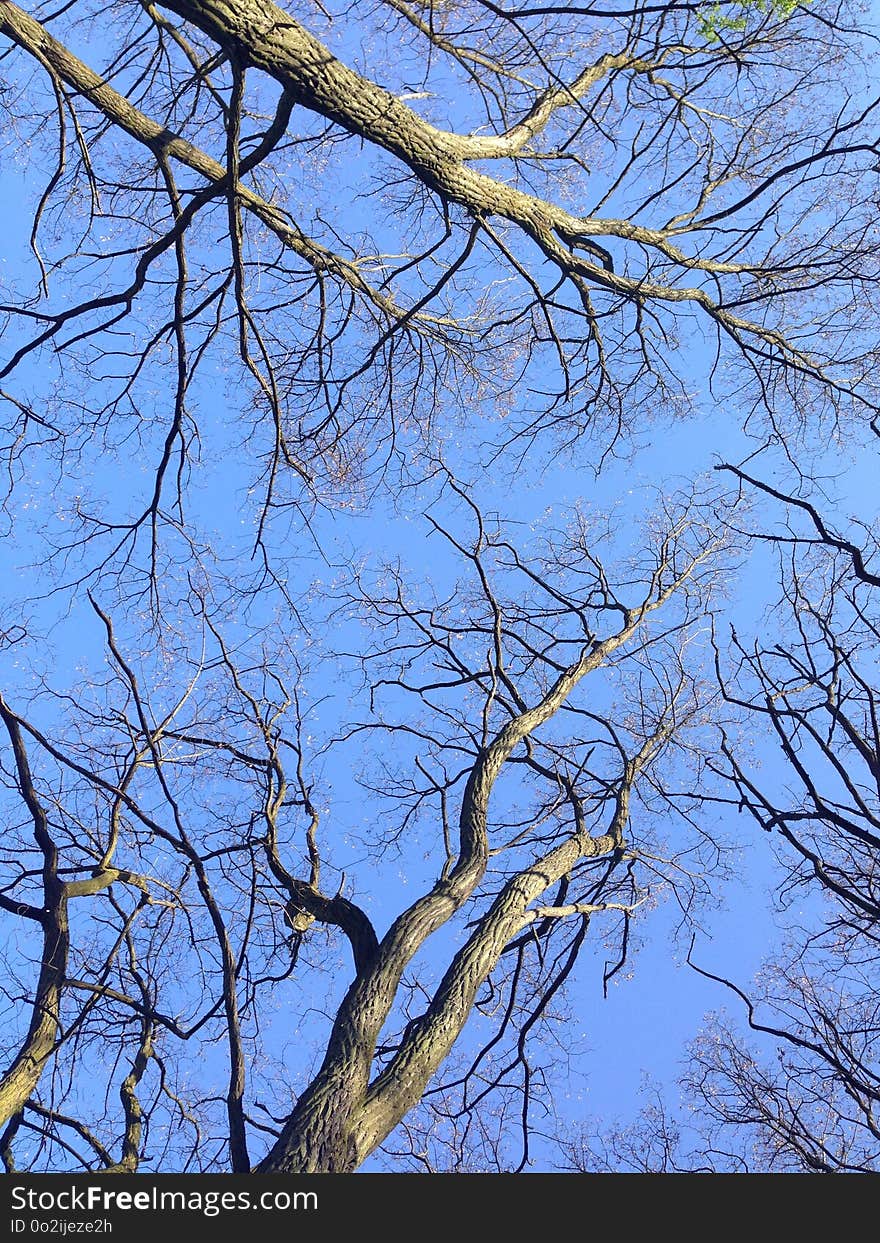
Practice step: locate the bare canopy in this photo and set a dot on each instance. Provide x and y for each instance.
(312, 842)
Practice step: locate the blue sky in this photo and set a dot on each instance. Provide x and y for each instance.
(642, 1026)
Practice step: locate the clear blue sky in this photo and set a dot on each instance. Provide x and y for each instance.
(652, 1011)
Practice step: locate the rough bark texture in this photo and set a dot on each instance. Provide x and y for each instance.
(341, 1117)
(22, 1077)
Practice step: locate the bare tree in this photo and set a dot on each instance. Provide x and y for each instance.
(816, 1109)
(323, 263)
(802, 1093)
(124, 817)
(544, 208)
